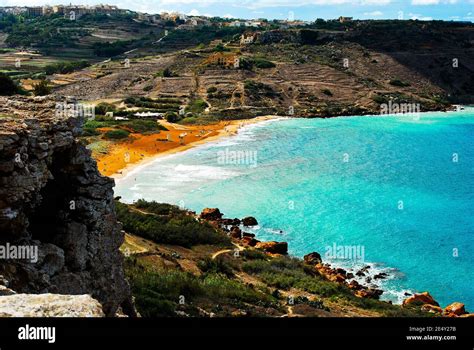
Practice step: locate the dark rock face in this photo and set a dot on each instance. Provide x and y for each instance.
(312, 258)
(249, 221)
(53, 197)
(212, 214)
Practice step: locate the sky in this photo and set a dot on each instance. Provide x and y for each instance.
(308, 10)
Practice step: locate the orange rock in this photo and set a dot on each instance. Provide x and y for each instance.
(431, 308)
(424, 298)
(455, 308)
(211, 214)
(235, 232)
(312, 258)
(250, 241)
(467, 315)
(337, 278)
(273, 247)
(368, 293)
(354, 285)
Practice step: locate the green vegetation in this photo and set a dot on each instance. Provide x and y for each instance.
(160, 105)
(122, 128)
(172, 117)
(157, 208)
(7, 85)
(255, 89)
(112, 49)
(59, 36)
(103, 107)
(204, 35)
(218, 266)
(143, 126)
(116, 134)
(220, 48)
(157, 293)
(42, 88)
(308, 37)
(397, 82)
(286, 273)
(250, 62)
(397, 97)
(197, 106)
(65, 67)
(177, 227)
(166, 73)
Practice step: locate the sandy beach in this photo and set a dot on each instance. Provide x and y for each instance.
(122, 157)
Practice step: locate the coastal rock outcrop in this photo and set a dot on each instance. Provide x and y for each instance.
(249, 221)
(211, 214)
(273, 247)
(424, 298)
(431, 308)
(455, 309)
(312, 258)
(235, 232)
(49, 305)
(53, 198)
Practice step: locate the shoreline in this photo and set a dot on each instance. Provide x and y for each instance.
(215, 131)
(222, 129)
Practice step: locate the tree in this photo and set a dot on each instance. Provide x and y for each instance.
(172, 117)
(7, 85)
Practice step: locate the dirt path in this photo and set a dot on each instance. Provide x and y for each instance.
(223, 251)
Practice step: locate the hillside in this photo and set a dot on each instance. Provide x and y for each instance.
(180, 264)
(320, 70)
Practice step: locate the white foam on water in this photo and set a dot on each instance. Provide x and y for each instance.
(202, 172)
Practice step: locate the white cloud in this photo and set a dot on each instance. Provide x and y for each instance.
(228, 16)
(193, 12)
(425, 2)
(374, 13)
(419, 17)
(256, 4)
(433, 2)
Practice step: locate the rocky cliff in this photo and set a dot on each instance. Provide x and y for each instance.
(52, 197)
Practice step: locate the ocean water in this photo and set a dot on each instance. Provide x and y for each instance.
(397, 190)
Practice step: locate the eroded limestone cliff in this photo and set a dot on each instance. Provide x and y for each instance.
(53, 197)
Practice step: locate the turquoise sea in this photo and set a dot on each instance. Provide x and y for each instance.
(399, 188)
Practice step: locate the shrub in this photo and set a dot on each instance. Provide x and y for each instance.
(397, 82)
(176, 228)
(157, 208)
(90, 132)
(220, 48)
(211, 90)
(117, 134)
(7, 85)
(197, 106)
(143, 125)
(327, 92)
(157, 293)
(103, 107)
(172, 117)
(65, 67)
(42, 88)
(217, 266)
(263, 64)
